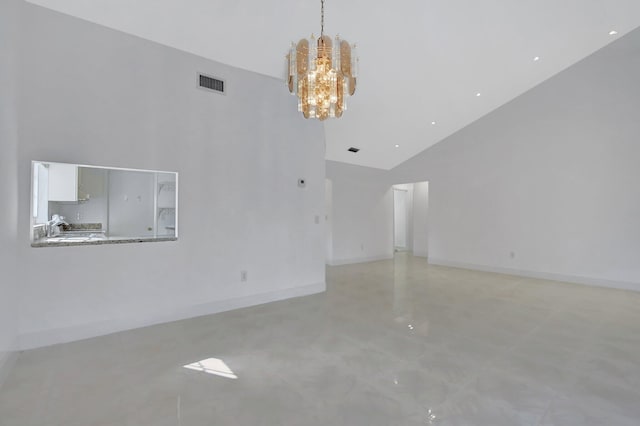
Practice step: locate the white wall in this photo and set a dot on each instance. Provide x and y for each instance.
(420, 219)
(91, 95)
(9, 13)
(362, 214)
(328, 217)
(552, 176)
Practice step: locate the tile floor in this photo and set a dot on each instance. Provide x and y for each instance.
(390, 343)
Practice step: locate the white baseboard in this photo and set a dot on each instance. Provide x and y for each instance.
(49, 337)
(7, 361)
(339, 262)
(596, 282)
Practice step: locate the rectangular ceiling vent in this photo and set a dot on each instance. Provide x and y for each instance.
(210, 83)
(352, 149)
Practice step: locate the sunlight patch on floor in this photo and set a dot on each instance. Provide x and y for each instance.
(212, 366)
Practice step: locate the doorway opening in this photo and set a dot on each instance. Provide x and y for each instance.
(410, 207)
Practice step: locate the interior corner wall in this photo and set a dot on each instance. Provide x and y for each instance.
(551, 177)
(362, 221)
(9, 15)
(92, 95)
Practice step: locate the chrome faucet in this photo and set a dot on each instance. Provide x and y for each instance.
(53, 226)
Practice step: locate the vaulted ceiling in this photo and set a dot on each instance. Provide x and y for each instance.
(427, 67)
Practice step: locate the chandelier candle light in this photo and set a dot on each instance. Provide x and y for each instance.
(322, 74)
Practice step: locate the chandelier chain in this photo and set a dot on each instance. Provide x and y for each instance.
(321, 18)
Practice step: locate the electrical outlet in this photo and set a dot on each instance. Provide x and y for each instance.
(317, 220)
(512, 254)
(243, 276)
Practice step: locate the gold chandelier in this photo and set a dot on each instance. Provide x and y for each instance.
(322, 74)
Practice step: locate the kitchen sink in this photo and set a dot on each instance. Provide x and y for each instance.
(77, 236)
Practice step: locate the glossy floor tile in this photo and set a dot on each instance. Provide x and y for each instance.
(390, 343)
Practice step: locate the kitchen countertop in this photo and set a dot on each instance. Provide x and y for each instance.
(71, 241)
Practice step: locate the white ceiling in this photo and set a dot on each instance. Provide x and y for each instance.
(420, 60)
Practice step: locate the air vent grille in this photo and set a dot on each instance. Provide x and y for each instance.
(352, 149)
(211, 83)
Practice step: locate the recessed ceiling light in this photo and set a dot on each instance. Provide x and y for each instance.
(478, 94)
(536, 59)
(613, 32)
(433, 123)
(397, 146)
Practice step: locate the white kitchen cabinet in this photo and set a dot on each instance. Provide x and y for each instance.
(63, 182)
(68, 182)
(91, 183)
